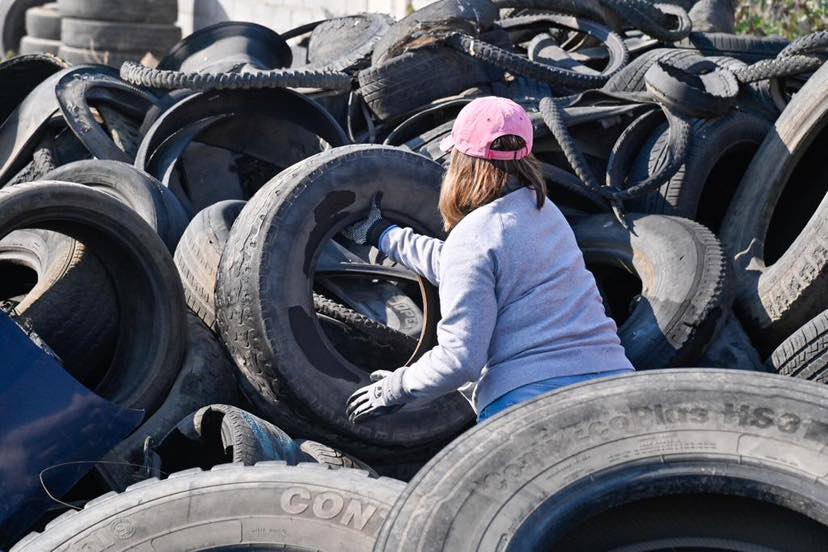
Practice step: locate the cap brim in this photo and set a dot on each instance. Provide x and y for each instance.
(446, 143)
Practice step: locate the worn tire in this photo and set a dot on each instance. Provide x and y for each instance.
(631, 77)
(153, 202)
(113, 58)
(346, 43)
(121, 37)
(439, 72)
(31, 45)
(684, 296)
(804, 354)
(152, 338)
(305, 506)
(72, 305)
(13, 21)
(135, 11)
(775, 298)
(719, 153)
(684, 459)
(479, 13)
(43, 22)
(199, 252)
(749, 49)
(323, 454)
(288, 371)
(207, 376)
(222, 434)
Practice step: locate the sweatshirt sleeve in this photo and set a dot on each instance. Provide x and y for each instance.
(418, 253)
(469, 307)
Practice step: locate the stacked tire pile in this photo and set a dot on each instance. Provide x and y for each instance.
(42, 30)
(112, 32)
(173, 235)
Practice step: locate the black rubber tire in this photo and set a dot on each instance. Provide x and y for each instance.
(774, 301)
(153, 202)
(31, 45)
(439, 72)
(43, 22)
(306, 506)
(744, 449)
(153, 337)
(719, 153)
(684, 295)
(113, 58)
(323, 454)
(804, 354)
(133, 11)
(746, 48)
(223, 434)
(477, 13)
(122, 37)
(702, 89)
(13, 20)
(199, 252)
(346, 43)
(289, 372)
(72, 305)
(207, 376)
(375, 333)
(631, 77)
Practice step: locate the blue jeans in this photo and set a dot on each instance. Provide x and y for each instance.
(532, 390)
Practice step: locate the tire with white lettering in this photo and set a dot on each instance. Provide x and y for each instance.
(265, 506)
(679, 459)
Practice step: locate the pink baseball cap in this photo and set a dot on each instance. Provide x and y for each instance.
(485, 120)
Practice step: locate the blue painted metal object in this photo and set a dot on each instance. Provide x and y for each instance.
(47, 419)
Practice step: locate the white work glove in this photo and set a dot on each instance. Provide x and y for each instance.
(378, 399)
(368, 230)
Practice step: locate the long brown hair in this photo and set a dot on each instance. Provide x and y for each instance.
(472, 182)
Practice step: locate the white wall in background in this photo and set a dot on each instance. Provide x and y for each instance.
(282, 15)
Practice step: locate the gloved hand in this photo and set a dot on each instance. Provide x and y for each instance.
(368, 230)
(376, 399)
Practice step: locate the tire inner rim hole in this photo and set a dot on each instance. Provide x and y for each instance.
(620, 290)
(17, 281)
(721, 184)
(694, 522)
(798, 202)
(397, 304)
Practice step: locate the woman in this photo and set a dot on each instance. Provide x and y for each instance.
(521, 314)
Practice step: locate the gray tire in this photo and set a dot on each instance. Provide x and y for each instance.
(719, 153)
(72, 306)
(804, 354)
(669, 460)
(153, 335)
(289, 371)
(13, 21)
(776, 227)
(307, 506)
(323, 454)
(113, 58)
(135, 11)
(32, 45)
(122, 37)
(223, 434)
(680, 270)
(43, 22)
(199, 252)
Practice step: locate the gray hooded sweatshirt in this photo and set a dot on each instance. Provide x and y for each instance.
(518, 304)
